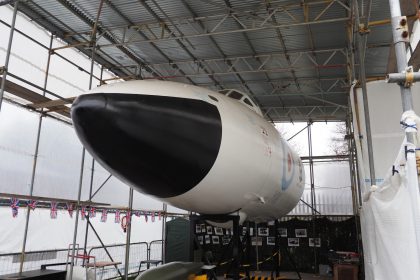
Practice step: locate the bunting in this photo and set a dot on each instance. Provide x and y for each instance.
(92, 212)
(70, 209)
(104, 216)
(14, 204)
(83, 213)
(153, 217)
(32, 204)
(53, 210)
(117, 216)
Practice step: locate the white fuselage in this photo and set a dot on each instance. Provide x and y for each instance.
(255, 172)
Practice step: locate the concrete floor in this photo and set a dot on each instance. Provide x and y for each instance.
(290, 275)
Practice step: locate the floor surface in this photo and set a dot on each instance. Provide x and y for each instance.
(291, 275)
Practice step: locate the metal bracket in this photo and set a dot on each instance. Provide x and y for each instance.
(406, 78)
(363, 30)
(400, 29)
(3, 70)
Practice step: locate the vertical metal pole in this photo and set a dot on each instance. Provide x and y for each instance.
(35, 161)
(401, 55)
(235, 250)
(165, 209)
(127, 244)
(313, 200)
(92, 173)
(92, 63)
(73, 251)
(362, 77)
(8, 51)
(257, 257)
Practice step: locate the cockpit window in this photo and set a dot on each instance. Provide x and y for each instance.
(235, 95)
(246, 100)
(224, 91)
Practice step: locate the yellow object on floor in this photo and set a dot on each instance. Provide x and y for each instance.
(200, 277)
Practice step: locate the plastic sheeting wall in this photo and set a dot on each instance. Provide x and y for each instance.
(390, 213)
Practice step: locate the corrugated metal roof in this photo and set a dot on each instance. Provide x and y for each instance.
(227, 43)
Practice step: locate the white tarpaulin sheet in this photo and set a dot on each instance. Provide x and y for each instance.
(390, 213)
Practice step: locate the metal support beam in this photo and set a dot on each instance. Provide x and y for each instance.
(8, 51)
(76, 222)
(35, 160)
(362, 78)
(129, 216)
(164, 216)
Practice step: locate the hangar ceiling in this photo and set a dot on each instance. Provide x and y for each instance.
(295, 58)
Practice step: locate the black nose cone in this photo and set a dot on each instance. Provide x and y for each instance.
(163, 146)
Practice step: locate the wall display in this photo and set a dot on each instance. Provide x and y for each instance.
(218, 231)
(215, 239)
(314, 242)
(251, 231)
(209, 230)
(203, 228)
(271, 240)
(207, 239)
(225, 240)
(283, 232)
(197, 228)
(301, 232)
(263, 231)
(200, 239)
(243, 230)
(256, 241)
(293, 242)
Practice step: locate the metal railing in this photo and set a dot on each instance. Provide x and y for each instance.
(139, 252)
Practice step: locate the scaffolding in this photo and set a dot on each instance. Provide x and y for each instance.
(327, 94)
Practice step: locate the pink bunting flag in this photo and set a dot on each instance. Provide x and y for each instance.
(104, 216)
(83, 213)
(153, 217)
(14, 204)
(32, 204)
(117, 216)
(70, 209)
(92, 212)
(53, 210)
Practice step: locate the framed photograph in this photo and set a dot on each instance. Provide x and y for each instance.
(293, 242)
(215, 239)
(197, 228)
(314, 242)
(225, 240)
(283, 232)
(270, 223)
(203, 228)
(301, 232)
(256, 241)
(200, 239)
(209, 230)
(271, 240)
(218, 231)
(243, 230)
(262, 231)
(207, 239)
(251, 231)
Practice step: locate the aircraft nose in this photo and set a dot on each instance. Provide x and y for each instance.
(160, 145)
